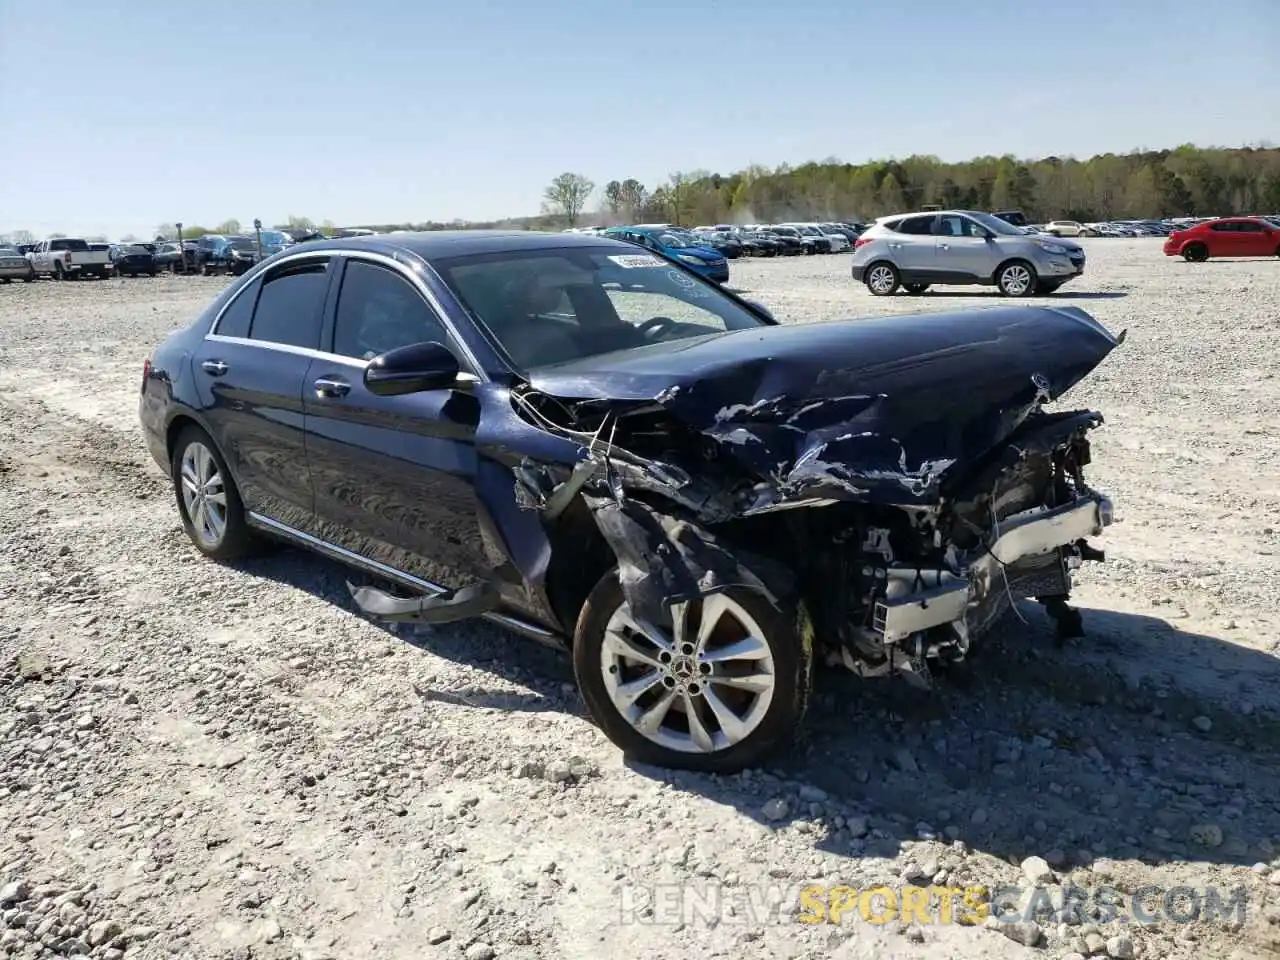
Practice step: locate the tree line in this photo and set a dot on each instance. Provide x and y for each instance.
(1185, 181)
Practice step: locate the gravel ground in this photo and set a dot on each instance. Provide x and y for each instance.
(204, 761)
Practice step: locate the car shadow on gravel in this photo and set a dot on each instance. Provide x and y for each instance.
(997, 295)
(1075, 751)
(540, 670)
(1043, 751)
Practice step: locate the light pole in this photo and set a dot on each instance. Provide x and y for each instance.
(182, 252)
(257, 232)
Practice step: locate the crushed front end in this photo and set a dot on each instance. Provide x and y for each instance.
(897, 586)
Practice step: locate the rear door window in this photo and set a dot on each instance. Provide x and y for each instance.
(291, 304)
(917, 226)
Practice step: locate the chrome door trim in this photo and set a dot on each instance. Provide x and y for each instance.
(343, 555)
(330, 253)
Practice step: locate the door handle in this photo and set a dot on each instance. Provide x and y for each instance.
(332, 387)
(215, 368)
(945, 246)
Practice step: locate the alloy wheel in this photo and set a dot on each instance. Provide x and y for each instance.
(204, 494)
(881, 279)
(701, 687)
(1015, 280)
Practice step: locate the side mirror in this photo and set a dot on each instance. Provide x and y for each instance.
(412, 369)
(759, 307)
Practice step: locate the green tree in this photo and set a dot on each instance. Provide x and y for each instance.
(227, 227)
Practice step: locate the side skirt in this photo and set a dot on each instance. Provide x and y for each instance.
(285, 532)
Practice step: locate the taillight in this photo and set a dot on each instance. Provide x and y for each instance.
(861, 241)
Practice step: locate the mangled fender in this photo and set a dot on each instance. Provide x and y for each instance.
(664, 560)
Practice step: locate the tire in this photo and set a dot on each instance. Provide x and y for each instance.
(770, 716)
(882, 279)
(915, 289)
(152, 272)
(197, 456)
(58, 272)
(1017, 278)
(1195, 253)
(5, 280)
(1046, 287)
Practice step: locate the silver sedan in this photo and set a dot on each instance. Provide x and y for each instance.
(14, 266)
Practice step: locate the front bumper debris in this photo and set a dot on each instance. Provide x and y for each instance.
(919, 600)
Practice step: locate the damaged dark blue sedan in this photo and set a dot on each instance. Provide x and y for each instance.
(597, 448)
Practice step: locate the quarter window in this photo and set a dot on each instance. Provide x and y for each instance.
(379, 311)
(290, 306)
(235, 319)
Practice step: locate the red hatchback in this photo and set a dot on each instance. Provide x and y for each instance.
(1228, 237)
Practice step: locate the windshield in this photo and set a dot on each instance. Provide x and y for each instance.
(995, 224)
(132, 248)
(553, 306)
(673, 240)
(242, 243)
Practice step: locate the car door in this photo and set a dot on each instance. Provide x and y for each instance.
(250, 373)
(911, 247)
(1253, 239)
(963, 249)
(394, 477)
(1224, 239)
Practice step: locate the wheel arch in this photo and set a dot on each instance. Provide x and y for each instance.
(580, 556)
(995, 274)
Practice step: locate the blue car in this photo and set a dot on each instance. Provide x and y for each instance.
(705, 261)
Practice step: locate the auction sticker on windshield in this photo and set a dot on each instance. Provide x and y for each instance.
(638, 260)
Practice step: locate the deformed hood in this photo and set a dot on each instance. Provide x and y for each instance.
(873, 409)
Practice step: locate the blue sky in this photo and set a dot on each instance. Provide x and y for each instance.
(126, 115)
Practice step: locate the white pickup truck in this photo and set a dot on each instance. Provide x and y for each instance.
(68, 258)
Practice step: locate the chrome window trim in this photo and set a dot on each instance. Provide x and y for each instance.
(477, 371)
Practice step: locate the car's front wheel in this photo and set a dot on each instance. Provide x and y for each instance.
(1195, 253)
(718, 692)
(883, 279)
(1016, 279)
(208, 501)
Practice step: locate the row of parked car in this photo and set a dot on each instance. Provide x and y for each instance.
(1122, 228)
(73, 258)
(732, 241)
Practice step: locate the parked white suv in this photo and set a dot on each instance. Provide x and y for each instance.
(913, 250)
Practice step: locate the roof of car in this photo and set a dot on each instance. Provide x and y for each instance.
(460, 243)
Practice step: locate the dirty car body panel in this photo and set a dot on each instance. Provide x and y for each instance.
(881, 489)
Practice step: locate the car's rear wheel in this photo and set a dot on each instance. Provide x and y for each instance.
(208, 501)
(1017, 278)
(915, 288)
(719, 694)
(58, 272)
(1195, 253)
(883, 279)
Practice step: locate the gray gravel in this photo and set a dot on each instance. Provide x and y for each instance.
(202, 761)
